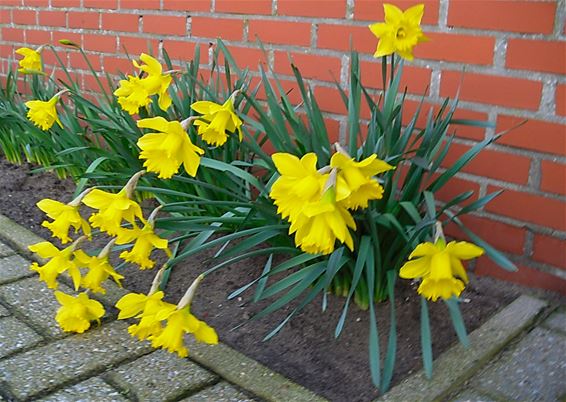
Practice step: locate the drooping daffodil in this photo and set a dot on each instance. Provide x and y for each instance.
(217, 121)
(31, 63)
(76, 313)
(43, 114)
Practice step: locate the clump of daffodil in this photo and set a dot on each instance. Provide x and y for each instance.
(135, 92)
(165, 150)
(76, 313)
(59, 261)
(64, 216)
(31, 63)
(439, 265)
(217, 120)
(43, 114)
(99, 269)
(114, 208)
(145, 240)
(400, 32)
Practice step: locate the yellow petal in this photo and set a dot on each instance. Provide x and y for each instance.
(417, 268)
(464, 250)
(393, 14)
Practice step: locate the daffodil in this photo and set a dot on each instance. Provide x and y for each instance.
(355, 184)
(76, 313)
(440, 267)
(64, 216)
(113, 208)
(144, 307)
(165, 150)
(59, 261)
(216, 121)
(400, 32)
(156, 82)
(31, 61)
(43, 114)
(132, 94)
(145, 240)
(99, 269)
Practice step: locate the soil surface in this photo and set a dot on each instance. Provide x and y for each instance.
(305, 350)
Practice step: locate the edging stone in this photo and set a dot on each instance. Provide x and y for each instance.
(18, 237)
(458, 364)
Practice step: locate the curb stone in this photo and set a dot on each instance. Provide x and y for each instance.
(235, 367)
(458, 364)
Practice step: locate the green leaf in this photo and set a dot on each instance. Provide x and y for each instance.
(374, 357)
(457, 320)
(389, 362)
(263, 281)
(426, 342)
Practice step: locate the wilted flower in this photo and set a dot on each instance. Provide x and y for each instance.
(76, 313)
(168, 148)
(216, 121)
(400, 32)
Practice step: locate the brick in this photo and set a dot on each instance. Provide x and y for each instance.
(161, 376)
(550, 250)
(76, 60)
(165, 25)
(13, 34)
(457, 48)
(52, 18)
(536, 55)
(329, 100)
(553, 177)
(325, 68)
(503, 15)
(93, 389)
(15, 335)
(280, 32)
(530, 208)
(243, 6)
(115, 65)
(186, 5)
(492, 89)
(456, 186)
(135, 46)
(525, 275)
(100, 43)
(500, 235)
(33, 372)
(228, 29)
(65, 3)
(534, 135)
(136, 4)
(36, 3)
(373, 11)
(23, 17)
(91, 84)
(415, 79)
(120, 22)
(491, 163)
(346, 38)
(312, 8)
(561, 99)
(245, 57)
(71, 36)
(14, 267)
(104, 4)
(37, 37)
(33, 300)
(467, 131)
(86, 20)
(221, 392)
(5, 16)
(12, 2)
(183, 50)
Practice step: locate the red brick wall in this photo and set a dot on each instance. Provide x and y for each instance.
(514, 53)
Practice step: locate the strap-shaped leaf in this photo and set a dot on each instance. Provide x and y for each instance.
(426, 342)
(457, 320)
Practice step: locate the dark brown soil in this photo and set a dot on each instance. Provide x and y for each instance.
(305, 350)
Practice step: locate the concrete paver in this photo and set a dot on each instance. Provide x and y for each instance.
(14, 267)
(532, 370)
(221, 392)
(4, 312)
(15, 335)
(471, 395)
(5, 250)
(556, 321)
(93, 389)
(46, 367)
(160, 375)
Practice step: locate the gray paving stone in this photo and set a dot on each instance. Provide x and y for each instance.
(221, 392)
(471, 395)
(534, 370)
(14, 267)
(556, 321)
(18, 235)
(4, 312)
(41, 369)
(93, 389)
(5, 250)
(15, 335)
(160, 376)
(34, 300)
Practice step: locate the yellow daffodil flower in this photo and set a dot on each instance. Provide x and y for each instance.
(31, 62)
(440, 267)
(165, 150)
(99, 269)
(216, 121)
(43, 114)
(64, 216)
(356, 185)
(132, 95)
(59, 261)
(156, 82)
(76, 313)
(400, 32)
(180, 322)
